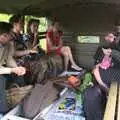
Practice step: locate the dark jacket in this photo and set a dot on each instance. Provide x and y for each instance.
(98, 57)
(115, 53)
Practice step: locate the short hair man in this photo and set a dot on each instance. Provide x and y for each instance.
(7, 63)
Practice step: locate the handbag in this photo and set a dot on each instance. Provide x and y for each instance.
(15, 94)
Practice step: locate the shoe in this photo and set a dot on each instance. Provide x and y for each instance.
(76, 67)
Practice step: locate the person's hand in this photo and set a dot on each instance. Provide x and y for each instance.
(19, 71)
(107, 51)
(35, 48)
(32, 51)
(105, 89)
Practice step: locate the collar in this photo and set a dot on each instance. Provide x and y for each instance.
(2, 46)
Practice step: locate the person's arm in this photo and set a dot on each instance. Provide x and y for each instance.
(17, 70)
(10, 62)
(35, 40)
(20, 53)
(98, 77)
(61, 43)
(49, 41)
(51, 45)
(5, 70)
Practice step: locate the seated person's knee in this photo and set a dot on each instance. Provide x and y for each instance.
(65, 54)
(67, 48)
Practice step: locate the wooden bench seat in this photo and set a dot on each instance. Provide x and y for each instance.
(112, 111)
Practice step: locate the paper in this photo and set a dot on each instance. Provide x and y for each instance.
(69, 73)
(72, 111)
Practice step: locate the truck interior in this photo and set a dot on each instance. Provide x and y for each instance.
(84, 23)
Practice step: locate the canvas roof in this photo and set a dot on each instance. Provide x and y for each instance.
(87, 13)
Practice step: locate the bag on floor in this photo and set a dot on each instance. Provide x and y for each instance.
(40, 97)
(15, 94)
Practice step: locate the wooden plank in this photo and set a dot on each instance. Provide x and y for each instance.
(118, 107)
(111, 103)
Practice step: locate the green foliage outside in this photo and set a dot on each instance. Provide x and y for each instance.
(42, 26)
(4, 17)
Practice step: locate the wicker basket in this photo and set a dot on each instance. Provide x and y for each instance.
(15, 94)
